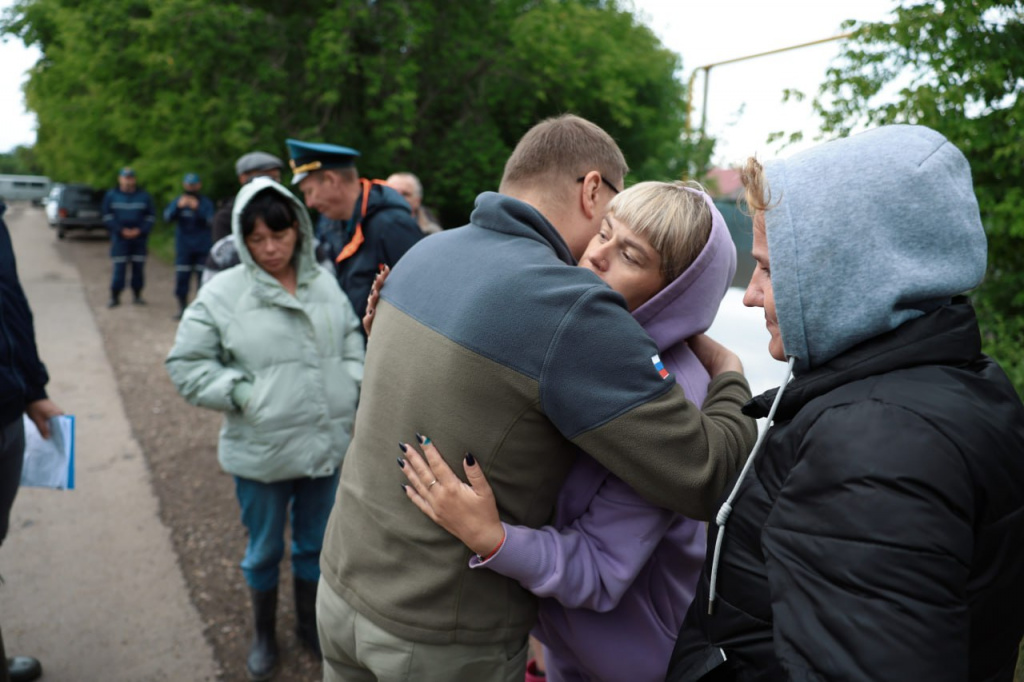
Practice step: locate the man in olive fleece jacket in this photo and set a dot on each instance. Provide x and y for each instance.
(488, 342)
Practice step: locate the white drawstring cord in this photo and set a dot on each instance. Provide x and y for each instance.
(723, 514)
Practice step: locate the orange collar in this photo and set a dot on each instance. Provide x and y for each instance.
(357, 237)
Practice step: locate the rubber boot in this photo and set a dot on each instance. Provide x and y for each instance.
(262, 662)
(137, 298)
(181, 308)
(115, 299)
(305, 615)
(23, 669)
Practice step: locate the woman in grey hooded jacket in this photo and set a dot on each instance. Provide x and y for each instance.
(876, 532)
(275, 345)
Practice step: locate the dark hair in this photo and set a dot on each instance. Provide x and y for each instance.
(274, 210)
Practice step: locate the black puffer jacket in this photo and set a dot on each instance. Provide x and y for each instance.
(880, 535)
(23, 377)
(388, 230)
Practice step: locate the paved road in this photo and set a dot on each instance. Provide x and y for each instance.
(92, 585)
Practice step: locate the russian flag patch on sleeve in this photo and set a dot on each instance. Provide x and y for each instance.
(656, 359)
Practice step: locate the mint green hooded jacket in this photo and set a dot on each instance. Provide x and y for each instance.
(286, 370)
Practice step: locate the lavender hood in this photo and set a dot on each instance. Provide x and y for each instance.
(687, 305)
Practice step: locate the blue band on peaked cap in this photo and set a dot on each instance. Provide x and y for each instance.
(190, 179)
(311, 156)
(127, 172)
(866, 233)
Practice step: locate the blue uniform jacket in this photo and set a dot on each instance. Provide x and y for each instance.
(193, 230)
(121, 210)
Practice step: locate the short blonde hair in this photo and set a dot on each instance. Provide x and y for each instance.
(673, 216)
(558, 150)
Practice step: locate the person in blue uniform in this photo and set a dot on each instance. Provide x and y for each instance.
(193, 212)
(377, 226)
(128, 213)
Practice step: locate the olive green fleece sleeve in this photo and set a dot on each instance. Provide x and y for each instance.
(675, 455)
(727, 394)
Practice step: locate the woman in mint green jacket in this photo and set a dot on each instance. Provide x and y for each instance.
(275, 345)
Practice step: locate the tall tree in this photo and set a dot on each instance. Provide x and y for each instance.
(956, 66)
(439, 88)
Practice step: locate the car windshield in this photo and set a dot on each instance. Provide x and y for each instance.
(84, 195)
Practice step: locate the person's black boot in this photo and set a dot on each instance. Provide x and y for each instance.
(115, 299)
(137, 298)
(181, 308)
(305, 615)
(23, 669)
(262, 661)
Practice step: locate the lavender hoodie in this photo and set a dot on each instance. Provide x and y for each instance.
(617, 574)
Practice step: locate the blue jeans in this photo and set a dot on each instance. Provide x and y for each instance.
(265, 513)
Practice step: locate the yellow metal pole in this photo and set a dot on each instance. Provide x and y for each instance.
(707, 74)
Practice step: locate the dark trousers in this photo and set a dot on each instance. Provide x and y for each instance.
(123, 252)
(186, 262)
(12, 457)
(12, 454)
(4, 677)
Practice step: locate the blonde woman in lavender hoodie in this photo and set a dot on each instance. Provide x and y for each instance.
(616, 574)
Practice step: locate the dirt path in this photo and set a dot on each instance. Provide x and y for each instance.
(197, 500)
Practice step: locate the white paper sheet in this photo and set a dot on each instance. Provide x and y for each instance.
(50, 463)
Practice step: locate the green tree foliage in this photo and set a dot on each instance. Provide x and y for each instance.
(20, 161)
(439, 88)
(956, 66)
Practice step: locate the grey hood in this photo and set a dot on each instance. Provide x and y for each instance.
(866, 233)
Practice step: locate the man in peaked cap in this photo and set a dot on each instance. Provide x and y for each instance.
(128, 213)
(193, 212)
(376, 222)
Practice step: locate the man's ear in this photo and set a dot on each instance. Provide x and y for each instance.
(589, 194)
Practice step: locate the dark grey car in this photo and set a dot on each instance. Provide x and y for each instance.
(75, 207)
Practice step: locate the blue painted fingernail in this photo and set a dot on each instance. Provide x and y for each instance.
(404, 447)
(470, 459)
(401, 462)
(423, 439)
(403, 488)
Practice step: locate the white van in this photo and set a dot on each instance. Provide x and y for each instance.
(32, 188)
